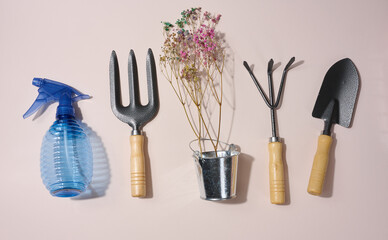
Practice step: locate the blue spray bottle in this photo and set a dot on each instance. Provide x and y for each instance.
(66, 161)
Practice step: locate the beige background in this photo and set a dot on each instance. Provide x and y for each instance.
(71, 41)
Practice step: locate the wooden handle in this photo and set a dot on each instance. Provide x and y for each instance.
(276, 173)
(321, 159)
(138, 179)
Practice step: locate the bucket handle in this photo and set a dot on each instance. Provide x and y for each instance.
(231, 147)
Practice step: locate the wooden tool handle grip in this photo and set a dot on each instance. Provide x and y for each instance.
(276, 173)
(318, 171)
(138, 178)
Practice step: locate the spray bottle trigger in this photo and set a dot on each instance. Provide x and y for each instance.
(52, 91)
(40, 101)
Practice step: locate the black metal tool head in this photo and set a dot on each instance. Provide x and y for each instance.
(270, 100)
(135, 114)
(338, 93)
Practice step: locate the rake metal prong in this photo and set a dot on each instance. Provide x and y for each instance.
(257, 84)
(282, 81)
(271, 98)
(270, 83)
(133, 80)
(292, 60)
(270, 66)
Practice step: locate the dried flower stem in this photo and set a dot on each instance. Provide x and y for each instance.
(190, 60)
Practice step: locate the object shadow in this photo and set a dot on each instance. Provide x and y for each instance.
(328, 185)
(149, 189)
(357, 97)
(101, 171)
(296, 64)
(41, 111)
(243, 175)
(276, 66)
(229, 87)
(286, 175)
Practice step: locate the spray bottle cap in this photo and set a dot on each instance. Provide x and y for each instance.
(52, 91)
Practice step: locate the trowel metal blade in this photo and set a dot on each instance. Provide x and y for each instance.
(339, 89)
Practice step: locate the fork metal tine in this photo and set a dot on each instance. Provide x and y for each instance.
(133, 80)
(152, 84)
(135, 114)
(115, 88)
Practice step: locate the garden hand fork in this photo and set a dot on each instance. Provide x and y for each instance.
(135, 114)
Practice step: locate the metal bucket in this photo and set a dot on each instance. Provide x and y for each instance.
(217, 173)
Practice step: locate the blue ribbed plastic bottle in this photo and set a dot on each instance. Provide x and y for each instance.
(66, 160)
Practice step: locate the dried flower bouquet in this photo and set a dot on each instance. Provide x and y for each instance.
(192, 61)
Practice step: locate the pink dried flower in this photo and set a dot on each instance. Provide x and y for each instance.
(184, 55)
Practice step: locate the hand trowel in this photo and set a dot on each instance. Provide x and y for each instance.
(334, 105)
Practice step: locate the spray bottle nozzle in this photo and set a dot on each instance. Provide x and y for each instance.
(37, 82)
(52, 91)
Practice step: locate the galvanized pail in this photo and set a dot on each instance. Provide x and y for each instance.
(217, 173)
